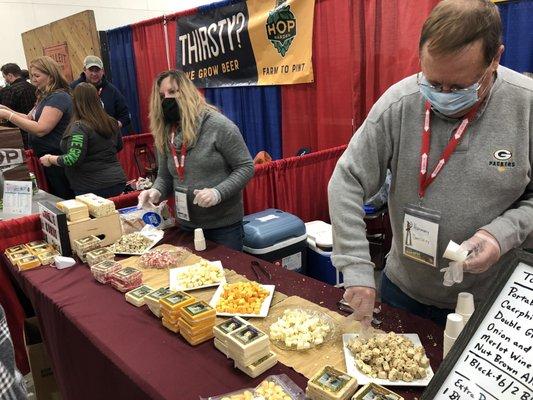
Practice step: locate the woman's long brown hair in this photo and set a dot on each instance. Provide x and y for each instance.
(87, 108)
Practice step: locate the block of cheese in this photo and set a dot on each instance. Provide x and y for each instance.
(331, 383)
(28, 262)
(224, 329)
(220, 346)
(36, 243)
(194, 330)
(170, 326)
(47, 257)
(199, 312)
(152, 299)
(136, 296)
(42, 249)
(257, 368)
(175, 301)
(96, 256)
(103, 270)
(15, 249)
(86, 244)
(194, 340)
(248, 344)
(98, 206)
(13, 257)
(69, 206)
(126, 279)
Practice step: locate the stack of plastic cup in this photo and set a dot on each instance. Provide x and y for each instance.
(199, 240)
(465, 305)
(454, 326)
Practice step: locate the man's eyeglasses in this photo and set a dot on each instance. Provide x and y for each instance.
(422, 81)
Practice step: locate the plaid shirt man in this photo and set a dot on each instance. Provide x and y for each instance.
(11, 382)
(20, 96)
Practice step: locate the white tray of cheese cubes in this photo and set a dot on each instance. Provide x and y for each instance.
(265, 305)
(363, 379)
(201, 275)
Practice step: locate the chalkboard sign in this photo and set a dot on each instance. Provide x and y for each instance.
(493, 357)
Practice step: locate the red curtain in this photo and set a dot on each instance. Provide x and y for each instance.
(150, 60)
(360, 48)
(387, 46)
(319, 115)
(297, 185)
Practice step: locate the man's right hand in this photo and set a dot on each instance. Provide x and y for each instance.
(362, 300)
(148, 198)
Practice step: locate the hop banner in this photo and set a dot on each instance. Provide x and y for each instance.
(254, 42)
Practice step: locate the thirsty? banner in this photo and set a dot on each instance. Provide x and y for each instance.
(248, 43)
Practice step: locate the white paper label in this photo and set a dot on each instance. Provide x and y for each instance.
(182, 210)
(292, 262)
(497, 362)
(267, 218)
(17, 197)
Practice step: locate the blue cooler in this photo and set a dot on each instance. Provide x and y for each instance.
(320, 246)
(276, 236)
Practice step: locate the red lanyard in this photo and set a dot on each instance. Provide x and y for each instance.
(178, 163)
(424, 179)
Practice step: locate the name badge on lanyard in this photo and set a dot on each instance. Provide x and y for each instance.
(182, 209)
(421, 234)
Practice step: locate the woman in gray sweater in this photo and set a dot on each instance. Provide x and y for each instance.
(202, 159)
(90, 145)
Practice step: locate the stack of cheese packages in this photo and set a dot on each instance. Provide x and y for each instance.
(171, 306)
(96, 256)
(31, 255)
(137, 295)
(126, 279)
(102, 271)
(248, 346)
(196, 322)
(98, 206)
(331, 384)
(152, 299)
(75, 210)
(84, 245)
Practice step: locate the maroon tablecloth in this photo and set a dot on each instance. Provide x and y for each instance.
(104, 348)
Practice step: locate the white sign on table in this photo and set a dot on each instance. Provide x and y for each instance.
(17, 197)
(494, 360)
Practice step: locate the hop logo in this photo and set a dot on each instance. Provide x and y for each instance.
(281, 28)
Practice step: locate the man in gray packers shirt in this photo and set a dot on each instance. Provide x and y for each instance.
(457, 138)
(11, 381)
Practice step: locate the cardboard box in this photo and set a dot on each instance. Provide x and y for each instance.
(41, 368)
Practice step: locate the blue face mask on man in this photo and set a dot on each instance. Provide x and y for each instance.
(453, 102)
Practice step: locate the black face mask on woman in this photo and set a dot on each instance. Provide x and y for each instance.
(171, 111)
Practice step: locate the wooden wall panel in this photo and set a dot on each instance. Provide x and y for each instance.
(79, 33)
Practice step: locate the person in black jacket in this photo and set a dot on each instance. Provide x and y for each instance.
(89, 146)
(20, 96)
(114, 102)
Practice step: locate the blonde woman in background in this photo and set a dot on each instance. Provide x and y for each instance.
(47, 121)
(202, 158)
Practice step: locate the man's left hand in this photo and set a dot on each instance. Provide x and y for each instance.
(484, 252)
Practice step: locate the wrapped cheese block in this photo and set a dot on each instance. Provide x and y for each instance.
(257, 368)
(126, 279)
(103, 270)
(248, 344)
(15, 249)
(136, 296)
(74, 209)
(152, 300)
(86, 244)
(224, 329)
(36, 243)
(27, 262)
(196, 322)
(330, 383)
(97, 256)
(98, 206)
(47, 257)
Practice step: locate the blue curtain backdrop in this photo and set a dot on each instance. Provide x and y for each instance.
(256, 111)
(122, 60)
(517, 18)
